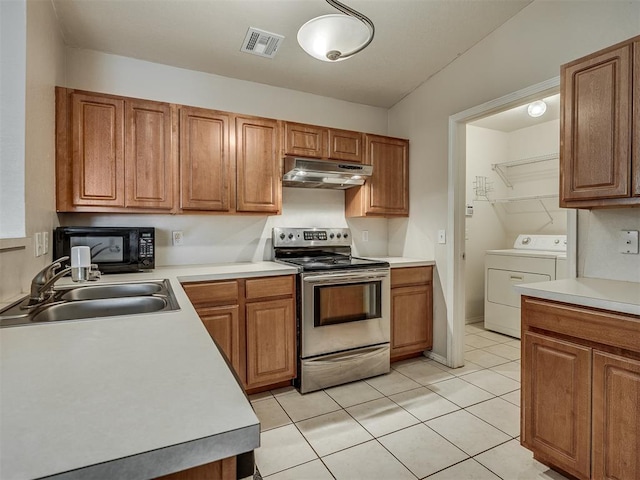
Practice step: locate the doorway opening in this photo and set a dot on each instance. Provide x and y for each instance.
(458, 196)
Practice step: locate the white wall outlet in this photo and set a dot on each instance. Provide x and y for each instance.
(442, 237)
(177, 238)
(37, 241)
(628, 241)
(45, 243)
(365, 235)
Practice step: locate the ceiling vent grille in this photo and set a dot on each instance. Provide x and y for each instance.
(261, 43)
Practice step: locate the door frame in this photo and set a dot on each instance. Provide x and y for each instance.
(455, 285)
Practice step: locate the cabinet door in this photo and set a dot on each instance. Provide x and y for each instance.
(386, 192)
(97, 150)
(223, 324)
(259, 188)
(595, 151)
(616, 417)
(271, 352)
(346, 145)
(411, 320)
(150, 164)
(305, 140)
(207, 177)
(556, 396)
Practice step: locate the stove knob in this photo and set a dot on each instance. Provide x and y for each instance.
(290, 236)
(282, 235)
(346, 235)
(339, 235)
(331, 235)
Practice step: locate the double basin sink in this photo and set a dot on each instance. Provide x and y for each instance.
(94, 301)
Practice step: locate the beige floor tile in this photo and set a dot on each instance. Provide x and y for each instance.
(369, 461)
(256, 397)
(411, 444)
(513, 397)
(460, 392)
(511, 370)
(424, 404)
(314, 470)
(283, 391)
(468, 348)
(515, 343)
(467, 432)
(511, 460)
(501, 414)
(353, 393)
(332, 432)
(468, 367)
(477, 341)
(491, 382)
(300, 407)
(424, 373)
(496, 337)
(270, 414)
(282, 448)
(382, 416)
(467, 470)
(506, 351)
(471, 328)
(392, 382)
(483, 358)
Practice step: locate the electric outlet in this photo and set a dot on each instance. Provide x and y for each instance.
(442, 236)
(45, 243)
(38, 244)
(628, 241)
(177, 238)
(365, 235)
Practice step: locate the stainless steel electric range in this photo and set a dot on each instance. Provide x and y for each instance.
(343, 307)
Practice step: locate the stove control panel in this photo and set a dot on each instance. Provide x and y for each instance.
(311, 237)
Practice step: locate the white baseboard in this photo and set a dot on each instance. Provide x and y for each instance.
(469, 320)
(436, 357)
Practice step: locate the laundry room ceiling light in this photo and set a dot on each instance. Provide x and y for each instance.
(537, 108)
(336, 37)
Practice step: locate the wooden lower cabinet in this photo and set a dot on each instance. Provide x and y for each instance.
(580, 410)
(224, 469)
(411, 311)
(253, 323)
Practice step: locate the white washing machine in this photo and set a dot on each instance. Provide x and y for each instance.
(533, 258)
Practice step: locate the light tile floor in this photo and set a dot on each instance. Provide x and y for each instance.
(422, 420)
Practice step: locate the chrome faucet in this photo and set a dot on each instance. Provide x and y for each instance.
(42, 283)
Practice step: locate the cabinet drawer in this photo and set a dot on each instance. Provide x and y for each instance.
(269, 287)
(599, 326)
(411, 276)
(215, 293)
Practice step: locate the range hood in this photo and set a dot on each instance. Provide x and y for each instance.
(311, 173)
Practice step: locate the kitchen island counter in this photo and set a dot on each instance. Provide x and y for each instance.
(132, 396)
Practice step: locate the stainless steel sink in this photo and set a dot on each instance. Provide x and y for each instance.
(94, 301)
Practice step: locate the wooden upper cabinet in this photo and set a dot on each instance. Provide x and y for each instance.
(150, 165)
(259, 186)
(94, 176)
(386, 192)
(206, 168)
(113, 153)
(599, 116)
(322, 142)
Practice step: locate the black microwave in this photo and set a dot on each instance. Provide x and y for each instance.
(113, 249)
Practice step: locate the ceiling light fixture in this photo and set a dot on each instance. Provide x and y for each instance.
(335, 37)
(537, 108)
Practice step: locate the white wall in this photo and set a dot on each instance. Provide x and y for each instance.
(45, 69)
(526, 50)
(215, 238)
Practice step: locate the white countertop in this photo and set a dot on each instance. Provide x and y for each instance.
(623, 297)
(123, 397)
(400, 262)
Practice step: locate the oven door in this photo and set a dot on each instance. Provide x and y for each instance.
(344, 310)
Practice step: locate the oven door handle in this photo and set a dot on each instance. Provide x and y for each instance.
(361, 354)
(346, 277)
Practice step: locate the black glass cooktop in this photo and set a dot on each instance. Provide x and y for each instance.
(333, 261)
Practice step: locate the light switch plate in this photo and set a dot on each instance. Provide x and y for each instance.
(37, 240)
(628, 241)
(45, 243)
(442, 236)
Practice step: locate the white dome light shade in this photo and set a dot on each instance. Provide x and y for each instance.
(332, 33)
(537, 108)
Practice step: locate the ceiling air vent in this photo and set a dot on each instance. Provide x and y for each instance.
(259, 42)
